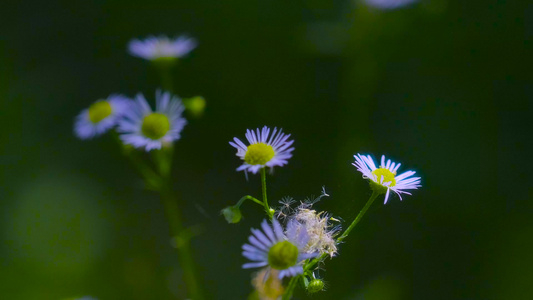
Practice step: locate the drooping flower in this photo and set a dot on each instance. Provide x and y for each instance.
(162, 47)
(232, 214)
(384, 179)
(389, 4)
(282, 251)
(143, 128)
(101, 116)
(265, 149)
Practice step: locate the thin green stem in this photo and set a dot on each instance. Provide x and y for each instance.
(163, 160)
(312, 263)
(264, 190)
(160, 182)
(359, 217)
(165, 73)
(183, 245)
(151, 178)
(248, 197)
(290, 288)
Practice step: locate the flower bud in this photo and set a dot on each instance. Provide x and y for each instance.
(315, 286)
(232, 214)
(195, 105)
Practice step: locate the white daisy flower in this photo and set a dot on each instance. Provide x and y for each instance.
(384, 179)
(162, 47)
(265, 150)
(388, 4)
(101, 116)
(143, 128)
(282, 251)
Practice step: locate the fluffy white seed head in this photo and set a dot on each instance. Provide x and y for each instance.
(321, 231)
(319, 226)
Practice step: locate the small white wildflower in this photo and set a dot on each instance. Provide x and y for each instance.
(384, 179)
(100, 116)
(146, 129)
(265, 149)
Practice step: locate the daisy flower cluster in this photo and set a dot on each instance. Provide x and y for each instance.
(298, 249)
(139, 125)
(135, 121)
(101, 116)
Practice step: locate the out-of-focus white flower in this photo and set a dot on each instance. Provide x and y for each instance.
(101, 116)
(267, 284)
(143, 128)
(162, 47)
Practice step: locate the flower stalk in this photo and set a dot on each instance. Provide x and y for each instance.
(268, 210)
(163, 159)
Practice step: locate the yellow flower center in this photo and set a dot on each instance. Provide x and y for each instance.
(99, 111)
(282, 255)
(155, 126)
(388, 176)
(259, 154)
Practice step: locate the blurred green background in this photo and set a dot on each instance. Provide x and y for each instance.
(442, 86)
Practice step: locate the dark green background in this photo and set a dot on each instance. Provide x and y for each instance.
(443, 87)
